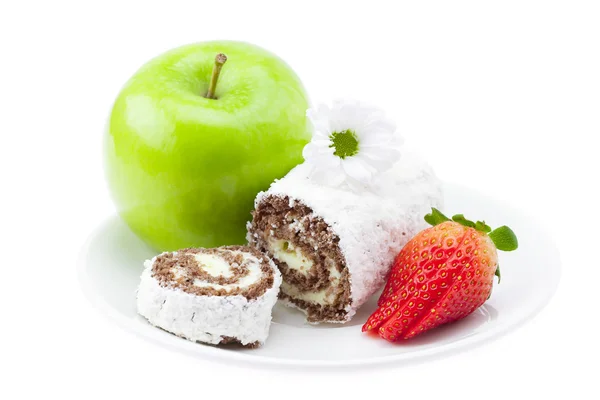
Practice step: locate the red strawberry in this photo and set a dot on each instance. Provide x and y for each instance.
(443, 274)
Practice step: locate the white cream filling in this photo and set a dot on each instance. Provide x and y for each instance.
(334, 273)
(320, 297)
(284, 251)
(214, 265)
(178, 272)
(217, 266)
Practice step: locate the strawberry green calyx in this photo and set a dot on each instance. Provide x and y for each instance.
(497, 273)
(435, 217)
(482, 227)
(463, 221)
(503, 237)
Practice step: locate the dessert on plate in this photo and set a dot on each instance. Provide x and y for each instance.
(333, 246)
(216, 296)
(323, 238)
(334, 224)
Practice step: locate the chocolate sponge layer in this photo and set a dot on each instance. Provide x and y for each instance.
(277, 218)
(183, 261)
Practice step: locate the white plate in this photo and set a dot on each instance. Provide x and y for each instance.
(111, 263)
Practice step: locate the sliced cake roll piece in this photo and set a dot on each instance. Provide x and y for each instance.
(214, 296)
(333, 246)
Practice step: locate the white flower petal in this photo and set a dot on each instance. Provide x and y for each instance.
(377, 148)
(321, 113)
(381, 153)
(377, 164)
(323, 144)
(356, 169)
(375, 140)
(320, 120)
(313, 149)
(320, 135)
(354, 107)
(381, 128)
(325, 161)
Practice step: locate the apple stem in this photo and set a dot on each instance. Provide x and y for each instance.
(219, 61)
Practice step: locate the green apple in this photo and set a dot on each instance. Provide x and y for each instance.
(184, 165)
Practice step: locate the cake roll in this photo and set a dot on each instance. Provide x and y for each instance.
(333, 246)
(216, 296)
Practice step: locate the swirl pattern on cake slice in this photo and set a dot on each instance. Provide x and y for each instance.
(215, 296)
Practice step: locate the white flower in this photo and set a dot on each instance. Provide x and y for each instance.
(352, 143)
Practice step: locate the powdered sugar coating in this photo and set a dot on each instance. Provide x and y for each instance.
(372, 225)
(206, 319)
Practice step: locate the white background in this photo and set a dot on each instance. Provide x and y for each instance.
(502, 96)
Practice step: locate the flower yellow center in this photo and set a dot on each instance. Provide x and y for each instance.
(345, 143)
